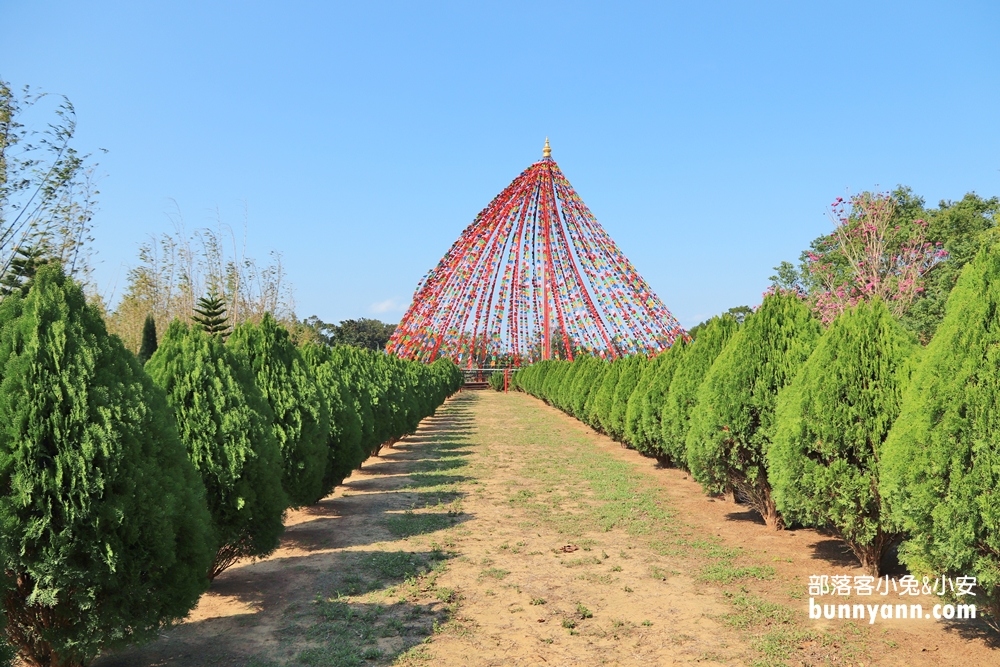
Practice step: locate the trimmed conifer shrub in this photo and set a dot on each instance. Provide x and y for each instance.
(567, 386)
(689, 373)
(344, 446)
(941, 461)
(633, 435)
(650, 432)
(301, 416)
(599, 413)
(832, 421)
(733, 420)
(549, 389)
(225, 424)
(106, 536)
(347, 361)
(632, 368)
(591, 369)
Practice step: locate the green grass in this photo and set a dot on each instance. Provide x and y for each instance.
(725, 572)
(410, 523)
(493, 573)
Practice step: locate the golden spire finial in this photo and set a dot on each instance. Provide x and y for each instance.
(547, 151)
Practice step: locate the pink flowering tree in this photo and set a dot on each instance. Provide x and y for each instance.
(870, 254)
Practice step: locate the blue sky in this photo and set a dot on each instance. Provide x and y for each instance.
(361, 138)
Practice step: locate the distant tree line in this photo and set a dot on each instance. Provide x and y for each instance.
(366, 333)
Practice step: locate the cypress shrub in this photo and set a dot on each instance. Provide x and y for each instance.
(650, 432)
(733, 421)
(590, 368)
(592, 389)
(226, 426)
(549, 390)
(941, 461)
(301, 417)
(106, 535)
(599, 413)
(564, 393)
(633, 435)
(347, 361)
(832, 421)
(632, 368)
(689, 373)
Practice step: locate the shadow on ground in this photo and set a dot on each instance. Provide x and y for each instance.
(298, 607)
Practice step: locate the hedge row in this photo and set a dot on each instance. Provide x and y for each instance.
(853, 428)
(124, 490)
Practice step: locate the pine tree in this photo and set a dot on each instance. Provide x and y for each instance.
(832, 421)
(732, 421)
(210, 314)
(23, 266)
(105, 530)
(301, 417)
(148, 346)
(941, 461)
(225, 424)
(682, 393)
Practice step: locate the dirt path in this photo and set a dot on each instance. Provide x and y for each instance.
(506, 533)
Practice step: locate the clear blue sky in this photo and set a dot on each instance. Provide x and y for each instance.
(707, 137)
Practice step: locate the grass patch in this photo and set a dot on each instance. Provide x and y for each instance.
(493, 573)
(410, 523)
(725, 572)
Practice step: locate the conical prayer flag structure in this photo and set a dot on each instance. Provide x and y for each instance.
(534, 276)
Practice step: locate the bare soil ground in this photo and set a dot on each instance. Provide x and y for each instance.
(507, 533)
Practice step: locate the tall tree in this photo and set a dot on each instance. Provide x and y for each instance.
(149, 344)
(47, 196)
(105, 535)
(210, 314)
(24, 264)
(365, 332)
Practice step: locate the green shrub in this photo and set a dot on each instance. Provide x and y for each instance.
(590, 369)
(593, 387)
(832, 421)
(632, 369)
(941, 461)
(301, 417)
(633, 435)
(732, 423)
(689, 372)
(650, 437)
(106, 536)
(599, 413)
(225, 425)
(496, 381)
